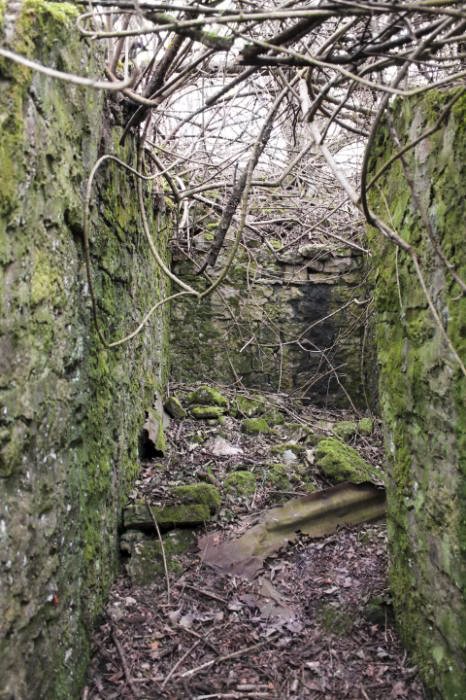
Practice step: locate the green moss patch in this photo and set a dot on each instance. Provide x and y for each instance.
(333, 618)
(198, 493)
(340, 462)
(297, 450)
(240, 484)
(345, 429)
(138, 516)
(204, 412)
(277, 477)
(249, 407)
(365, 426)
(255, 426)
(207, 396)
(274, 417)
(145, 563)
(174, 408)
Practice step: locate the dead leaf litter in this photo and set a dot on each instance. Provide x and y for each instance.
(315, 622)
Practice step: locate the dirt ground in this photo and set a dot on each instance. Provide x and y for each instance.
(316, 623)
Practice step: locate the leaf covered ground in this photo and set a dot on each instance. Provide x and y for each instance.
(315, 623)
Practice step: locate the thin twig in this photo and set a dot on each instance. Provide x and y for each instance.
(233, 655)
(208, 594)
(68, 77)
(203, 638)
(122, 656)
(179, 662)
(167, 578)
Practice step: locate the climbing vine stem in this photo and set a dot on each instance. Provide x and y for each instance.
(87, 255)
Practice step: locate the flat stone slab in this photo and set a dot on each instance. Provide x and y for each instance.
(138, 516)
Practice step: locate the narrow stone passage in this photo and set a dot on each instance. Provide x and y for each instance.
(315, 621)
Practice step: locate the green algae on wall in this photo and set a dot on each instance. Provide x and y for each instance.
(71, 412)
(422, 389)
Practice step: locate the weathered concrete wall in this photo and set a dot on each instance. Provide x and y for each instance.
(422, 389)
(272, 318)
(71, 413)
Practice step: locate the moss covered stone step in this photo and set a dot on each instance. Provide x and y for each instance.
(206, 494)
(138, 516)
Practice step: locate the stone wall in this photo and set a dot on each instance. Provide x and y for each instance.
(279, 322)
(422, 388)
(71, 412)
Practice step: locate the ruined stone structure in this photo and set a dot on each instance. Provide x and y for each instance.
(294, 321)
(422, 387)
(71, 412)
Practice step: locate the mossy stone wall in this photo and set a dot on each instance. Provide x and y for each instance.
(422, 388)
(279, 322)
(71, 413)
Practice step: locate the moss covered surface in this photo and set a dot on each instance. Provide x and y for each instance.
(365, 426)
(422, 390)
(293, 447)
(334, 618)
(249, 406)
(174, 408)
(202, 412)
(277, 476)
(207, 396)
(198, 493)
(139, 516)
(339, 462)
(71, 412)
(345, 429)
(240, 483)
(255, 426)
